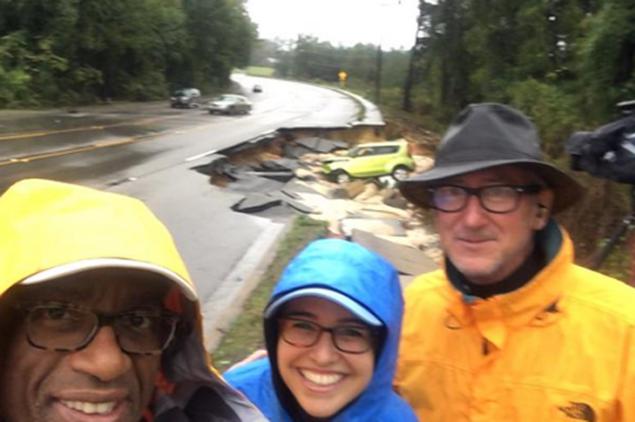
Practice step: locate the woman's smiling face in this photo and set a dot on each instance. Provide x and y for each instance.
(322, 378)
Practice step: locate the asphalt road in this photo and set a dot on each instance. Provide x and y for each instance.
(148, 150)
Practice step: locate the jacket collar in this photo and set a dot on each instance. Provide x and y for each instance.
(535, 303)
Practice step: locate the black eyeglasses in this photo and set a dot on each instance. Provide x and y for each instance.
(499, 199)
(65, 328)
(346, 338)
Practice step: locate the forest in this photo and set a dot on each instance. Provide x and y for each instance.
(56, 52)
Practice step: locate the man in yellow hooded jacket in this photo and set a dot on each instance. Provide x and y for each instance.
(99, 318)
(510, 329)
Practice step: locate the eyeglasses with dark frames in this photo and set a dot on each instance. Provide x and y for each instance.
(347, 338)
(66, 327)
(498, 199)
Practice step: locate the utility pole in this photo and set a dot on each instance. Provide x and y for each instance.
(378, 67)
(416, 52)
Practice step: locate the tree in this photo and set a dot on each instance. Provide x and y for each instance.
(74, 50)
(607, 57)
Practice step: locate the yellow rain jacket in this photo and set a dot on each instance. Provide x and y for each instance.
(50, 229)
(561, 348)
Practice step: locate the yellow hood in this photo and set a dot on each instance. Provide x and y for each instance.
(50, 229)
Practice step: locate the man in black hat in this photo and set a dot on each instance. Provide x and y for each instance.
(510, 329)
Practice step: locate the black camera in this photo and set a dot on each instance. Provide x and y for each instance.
(608, 151)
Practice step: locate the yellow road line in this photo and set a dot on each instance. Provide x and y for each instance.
(101, 144)
(69, 151)
(39, 134)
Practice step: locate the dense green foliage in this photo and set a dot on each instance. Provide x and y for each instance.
(66, 51)
(564, 62)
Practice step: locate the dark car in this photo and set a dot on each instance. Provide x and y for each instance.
(185, 98)
(257, 88)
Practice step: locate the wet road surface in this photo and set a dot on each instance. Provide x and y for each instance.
(148, 151)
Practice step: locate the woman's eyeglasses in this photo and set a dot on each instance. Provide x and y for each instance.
(347, 338)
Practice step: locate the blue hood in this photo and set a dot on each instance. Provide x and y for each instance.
(373, 283)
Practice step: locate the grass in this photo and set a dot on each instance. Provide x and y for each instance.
(259, 71)
(245, 333)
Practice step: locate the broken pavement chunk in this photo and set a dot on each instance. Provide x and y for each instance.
(255, 202)
(407, 260)
(385, 226)
(318, 144)
(279, 164)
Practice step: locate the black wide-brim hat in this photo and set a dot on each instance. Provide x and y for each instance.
(490, 135)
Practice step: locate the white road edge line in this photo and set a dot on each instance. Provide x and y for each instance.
(203, 155)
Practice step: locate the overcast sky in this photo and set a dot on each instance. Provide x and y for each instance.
(393, 23)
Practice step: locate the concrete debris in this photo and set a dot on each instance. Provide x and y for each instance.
(347, 190)
(329, 209)
(383, 226)
(218, 165)
(294, 202)
(279, 164)
(422, 163)
(246, 183)
(295, 151)
(408, 260)
(299, 206)
(304, 174)
(256, 202)
(282, 176)
(370, 190)
(322, 145)
(294, 186)
(315, 160)
(393, 198)
(371, 212)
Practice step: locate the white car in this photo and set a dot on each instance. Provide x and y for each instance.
(229, 104)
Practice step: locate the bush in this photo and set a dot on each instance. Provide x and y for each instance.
(552, 110)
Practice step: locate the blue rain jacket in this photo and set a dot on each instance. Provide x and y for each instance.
(368, 279)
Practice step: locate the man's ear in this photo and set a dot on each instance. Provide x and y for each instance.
(544, 204)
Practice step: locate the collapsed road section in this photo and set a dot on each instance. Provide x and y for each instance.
(281, 173)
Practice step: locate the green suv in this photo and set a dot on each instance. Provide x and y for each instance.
(370, 160)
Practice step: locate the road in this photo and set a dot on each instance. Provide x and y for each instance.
(102, 145)
(148, 150)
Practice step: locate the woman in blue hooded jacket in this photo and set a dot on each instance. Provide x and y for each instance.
(331, 331)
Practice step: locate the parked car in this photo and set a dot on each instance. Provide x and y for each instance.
(185, 98)
(229, 104)
(257, 88)
(370, 160)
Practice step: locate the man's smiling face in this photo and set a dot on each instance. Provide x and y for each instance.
(487, 247)
(98, 382)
